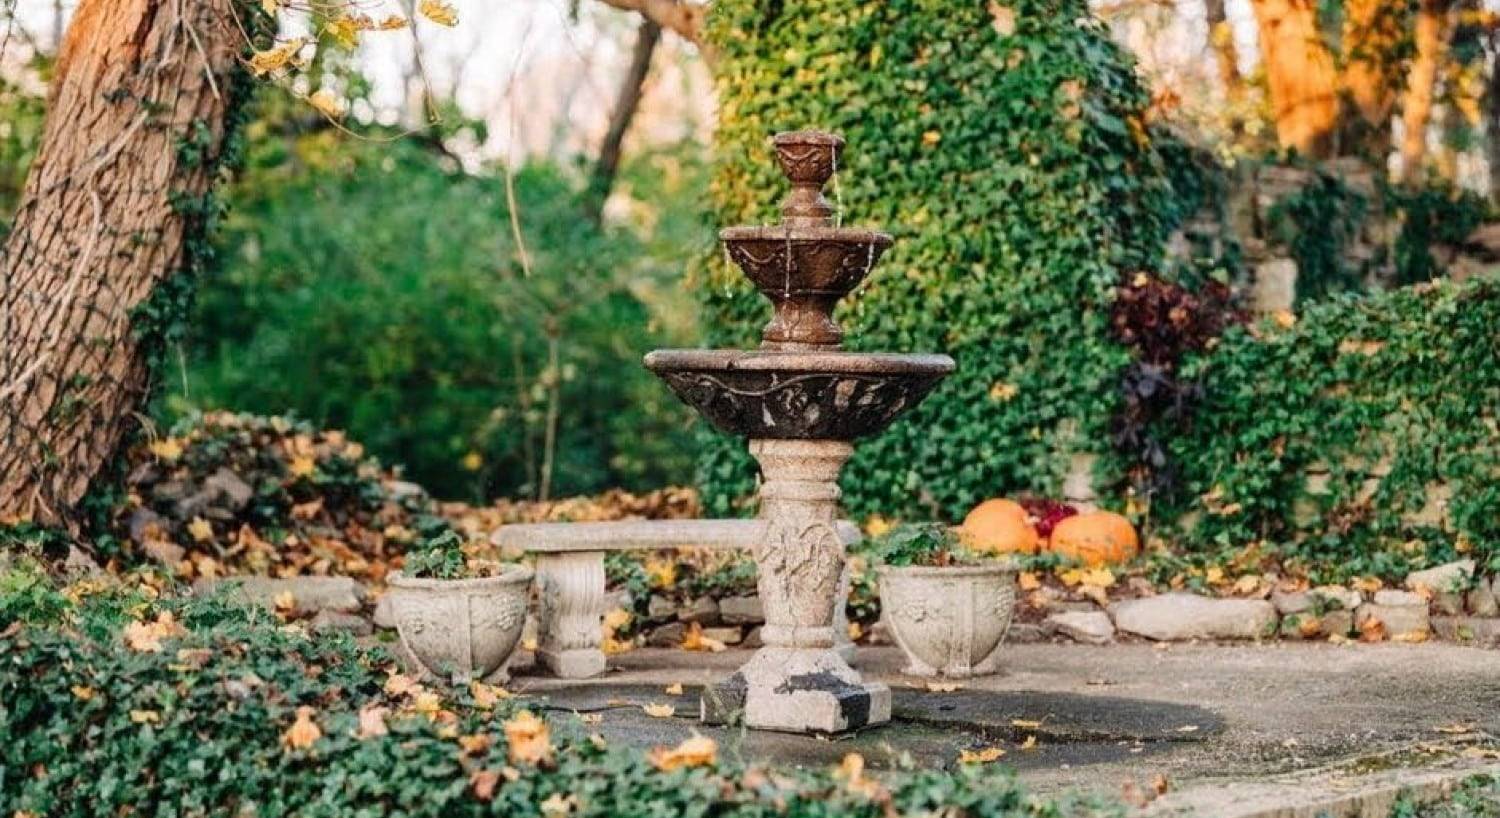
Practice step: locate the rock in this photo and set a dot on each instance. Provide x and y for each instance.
(1448, 604)
(192, 506)
(1294, 602)
(729, 635)
(1452, 577)
(229, 489)
(1178, 616)
(753, 640)
(164, 552)
(1480, 600)
(79, 563)
(399, 490)
(742, 610)
(1074, 606)
(703, 610)
(1402, 622)
(659, 607)
(667, 636)
(309, 594)
(384, 617)
(1337, 597)
(170, 491)
(1025, 633)
(1468, 630)
(1310, 625)
(1088, 627)
(335, 622)
(1393, 598)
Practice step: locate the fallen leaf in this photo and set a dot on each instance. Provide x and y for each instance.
(674, 689)
(855, 631)
(1098, 578)
(169, 448)
(475, 744)
(285, 602)
(372, 722)
(556, 806)
(307, 510)
(400, 684)
(486, 695)
(617, 619)
(1029, 743)
(852, 772)
(145, 637)
(483, 783)
(201, 530)
(1455, 729)
(659, 711)
(695, 640)
(1028, 581)
(145, 716)
(1160, 784)
(1024, 724)
(982, 756)
(83, 693)
(529, 740)
(1188, 728)
(1372, 630)
(302, 465)
(944, 687)
(695, 751)
(304, 732)
(1002, 19)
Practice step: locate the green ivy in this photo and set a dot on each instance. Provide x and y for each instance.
(1004, 148)
(1318, 224)
(1395, 397)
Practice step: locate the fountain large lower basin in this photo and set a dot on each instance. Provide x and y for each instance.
(797, 395)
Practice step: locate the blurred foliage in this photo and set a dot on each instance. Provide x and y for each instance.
(1005, 148)
(22, 106)
(1318, 224)
(374, 286)
(1389, 400)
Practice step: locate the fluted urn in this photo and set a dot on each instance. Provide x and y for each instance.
(802, 401)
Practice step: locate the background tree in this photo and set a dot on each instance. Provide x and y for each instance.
(142, 113)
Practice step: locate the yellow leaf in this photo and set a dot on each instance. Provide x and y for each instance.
(427, 703)
(302, 465)
(1098, 578)
(674, 689)
(617, 619)
(1071, 577)
(82, 692)
(486, 696)
(484, 782)
(201, 530)
(661, 573)
(1003, 392)
(473, 461)
(982, 756)
(304, 732)
(1214, 575)
(1455, 729)
(343, 30)
(1029, 743)
(1029, 581)
(400, 684)
(1025, 725)
(529, 740)
(372, 722)
(1247, 584)
(877, 526)
(943, 687)
(332, 107)
(659, 711)
(145, 716)
(278, 57)
(695, 640)
(695, 751)
(444, 14)
(852, 771)
(556, 806)
(285, 602)
(269, 6)
(1285, 319)
(392, 22)
(475, 744)
(855, 631)
(930, 138)
(145, 637)
(1002, 19)
(168, 448)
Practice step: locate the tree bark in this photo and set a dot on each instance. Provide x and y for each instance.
(632, 88)
(1221, 40)
(138, 116)
(1432, 34)
(1301, 74)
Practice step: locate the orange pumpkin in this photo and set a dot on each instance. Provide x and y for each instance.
(1095, 538)
(1001, 526)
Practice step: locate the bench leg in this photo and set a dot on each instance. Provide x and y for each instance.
(841, 641)
(570, 628)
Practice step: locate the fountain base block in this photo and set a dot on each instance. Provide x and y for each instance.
(797, 690)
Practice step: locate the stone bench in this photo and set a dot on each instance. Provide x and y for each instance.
(570, 576)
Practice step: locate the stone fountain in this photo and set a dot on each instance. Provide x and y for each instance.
(802, 401)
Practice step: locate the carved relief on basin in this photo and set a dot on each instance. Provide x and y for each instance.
(799, 395)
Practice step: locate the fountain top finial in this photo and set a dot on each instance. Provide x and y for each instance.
(808, 159)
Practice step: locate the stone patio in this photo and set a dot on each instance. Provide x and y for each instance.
(1205, 716)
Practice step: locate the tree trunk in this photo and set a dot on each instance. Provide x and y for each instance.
(1221, 40)
(117, 203)
(1301, 74)
(1373, 30)
(632, 88)
(1432, 33)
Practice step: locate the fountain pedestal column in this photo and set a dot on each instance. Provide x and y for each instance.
(798, 681)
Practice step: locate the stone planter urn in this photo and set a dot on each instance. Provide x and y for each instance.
(461, 629)
(949, 621)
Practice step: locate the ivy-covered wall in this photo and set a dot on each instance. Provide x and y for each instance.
(1363, 439)
(1004, 147)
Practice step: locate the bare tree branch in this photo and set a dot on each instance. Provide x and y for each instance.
(683, 18)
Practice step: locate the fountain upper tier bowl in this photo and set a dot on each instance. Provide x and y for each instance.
(799, 395)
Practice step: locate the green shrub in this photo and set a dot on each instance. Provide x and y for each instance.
(99, 722)
(1396, 396)
(1003, 146)
(370, 287)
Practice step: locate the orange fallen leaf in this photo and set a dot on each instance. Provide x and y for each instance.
(695, 751)
(674, 689)
(530, 742)
(981, 756)
(659, 711)
(145, 716)
(1372, 630)
(695, 640)
(372, 722)
(304, 732)
(483, 783)
(486, 695)
(1028, 581)
(475, 744)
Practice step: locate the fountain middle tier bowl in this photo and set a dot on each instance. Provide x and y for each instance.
(796, 395)
(828, 261)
